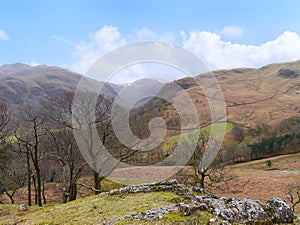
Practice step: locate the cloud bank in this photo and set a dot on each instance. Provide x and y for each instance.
(218, 54)
(209, 46)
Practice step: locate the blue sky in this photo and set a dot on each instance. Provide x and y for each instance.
(73, 34)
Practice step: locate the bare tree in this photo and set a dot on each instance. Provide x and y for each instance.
(92, 122)
(11, 173)
(60, 111)
(204, 175)
(5, 115)
(12, 176)
(93, 126)
(63, 145)
(293, 195)
(30, 138)
(24, 151)
(66, 152)
(238, 133)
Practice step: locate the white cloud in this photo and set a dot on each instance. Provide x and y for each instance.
(219, 54)
(145, 34)
(107, 39)
(159, 71)
(232, 31)
(60, 39)
(3, 35)
(209, 46)
(101, 42)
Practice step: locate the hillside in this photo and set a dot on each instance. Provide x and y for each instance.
(21, 84)
(155, 203)
(253, 96)
(266, 95)
(104, 208)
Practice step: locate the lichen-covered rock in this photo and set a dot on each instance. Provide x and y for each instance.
(240, 210)
(148, 187)
(149, 215)
(279, 211)
(225, 210)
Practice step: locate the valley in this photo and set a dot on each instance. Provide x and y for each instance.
(258, 158)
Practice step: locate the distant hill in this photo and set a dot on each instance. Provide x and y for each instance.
(21, 84)
(268, 95)
(140, 91)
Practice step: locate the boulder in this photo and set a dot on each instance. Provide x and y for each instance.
(279, 211)
(23, 207)
(225, 210)
(240, 210)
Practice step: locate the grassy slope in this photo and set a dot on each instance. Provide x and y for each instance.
(271, 96)
(96, 210)
(263, 183)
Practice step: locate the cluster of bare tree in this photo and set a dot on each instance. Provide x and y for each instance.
(38, 146)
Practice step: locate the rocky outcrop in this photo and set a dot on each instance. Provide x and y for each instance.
(170, 186)
(149, 215)
(287, 73)
(239, 210)
(225, 210)
(279, 211)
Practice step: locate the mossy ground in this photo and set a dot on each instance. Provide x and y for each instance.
(199, 217)
(91, 210)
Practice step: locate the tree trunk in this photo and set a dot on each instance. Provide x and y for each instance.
(39, 187)
(97, 182)
(29, 179)
(65, 196)
(11, 197)
(35, 190)
(202, 174)
(73, 191)
(43, 193)
(202, 183)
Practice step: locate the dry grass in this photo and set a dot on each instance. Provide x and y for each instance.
(253, 180)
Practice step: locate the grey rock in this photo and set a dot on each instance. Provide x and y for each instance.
(149, 215)
(241, 210)
(23, 207)
(148, 187)
(225, 210)
(279, 211)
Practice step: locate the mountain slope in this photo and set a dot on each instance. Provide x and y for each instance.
(20, 83)
(253, 96)
(266, 95)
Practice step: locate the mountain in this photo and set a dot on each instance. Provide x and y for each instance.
(267, 95)
(139, 92)
(20, 84)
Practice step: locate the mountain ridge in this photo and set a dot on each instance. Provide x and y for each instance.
(267, 94)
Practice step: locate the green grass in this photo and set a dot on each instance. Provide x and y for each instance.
(198, 217)
(91, 210)
(218, 130)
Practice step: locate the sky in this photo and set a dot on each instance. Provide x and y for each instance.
(223, 34)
